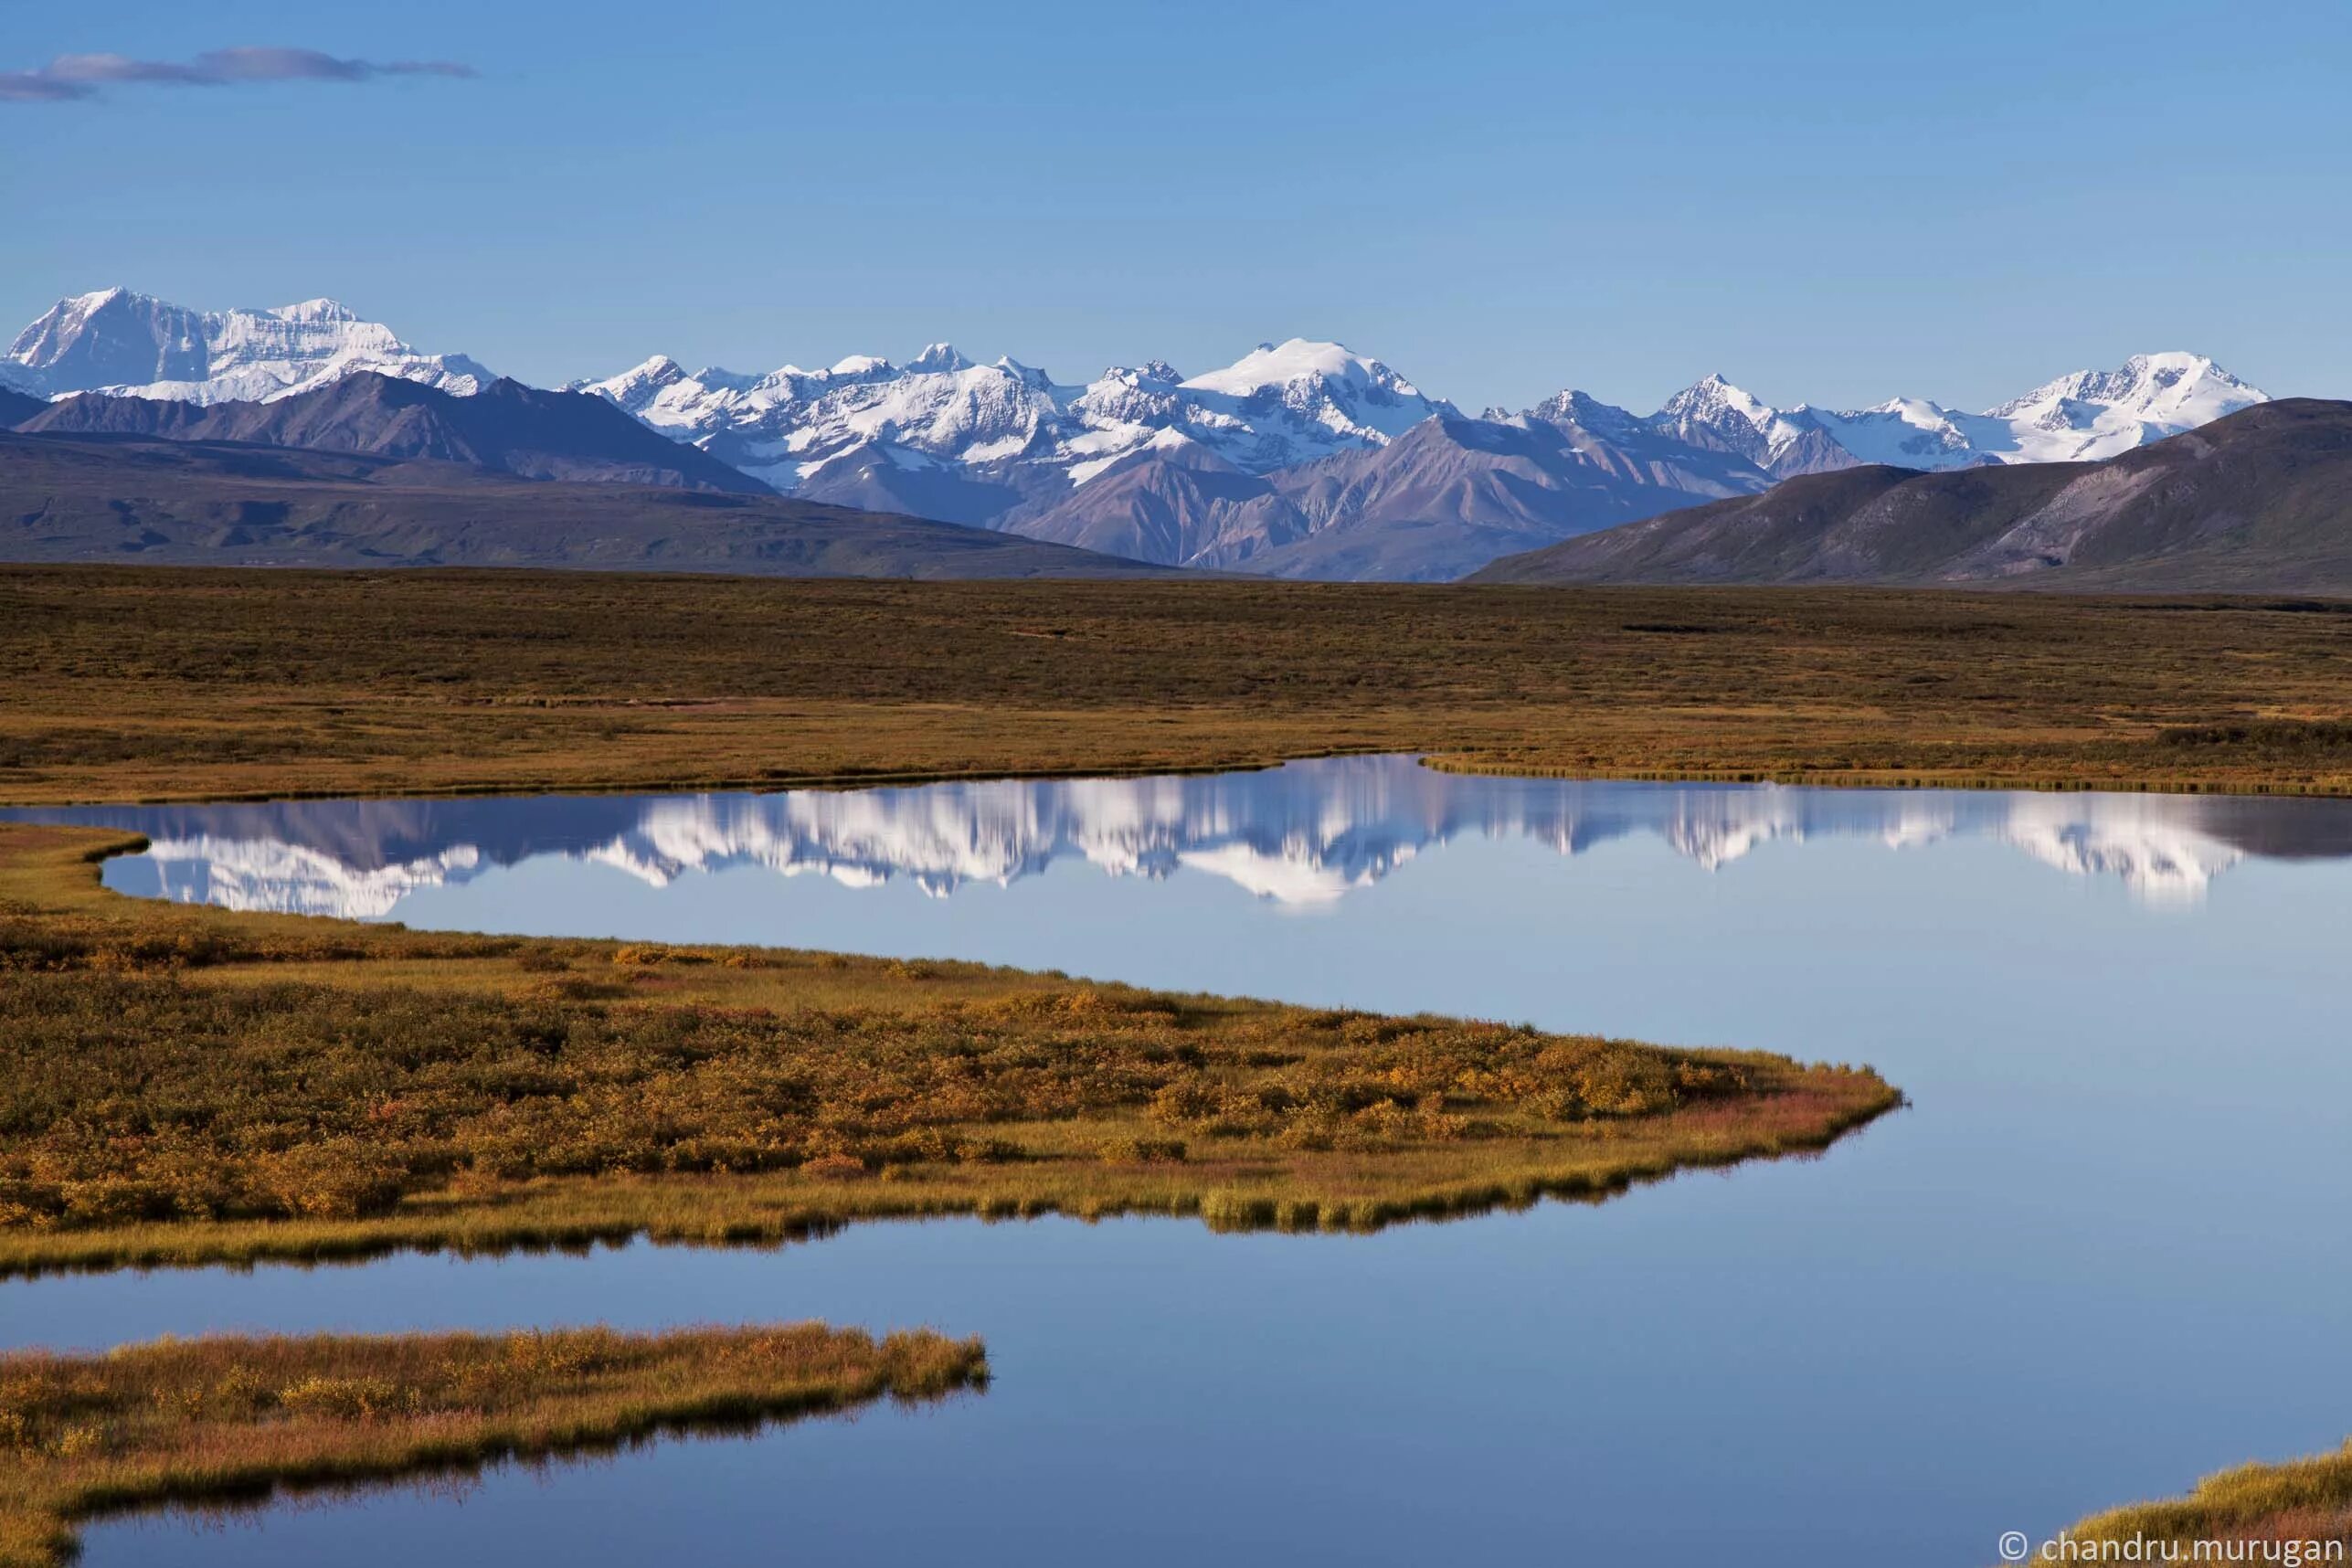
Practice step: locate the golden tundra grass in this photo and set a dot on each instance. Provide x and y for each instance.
(184, 1085)
(232, 1419)
(138, 683)
(2270, 1507)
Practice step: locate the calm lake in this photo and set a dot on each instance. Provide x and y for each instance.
(2102, 1254)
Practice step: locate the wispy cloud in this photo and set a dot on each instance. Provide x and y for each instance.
(82, 76)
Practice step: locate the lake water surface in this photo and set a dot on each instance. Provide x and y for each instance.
(2103, 1252)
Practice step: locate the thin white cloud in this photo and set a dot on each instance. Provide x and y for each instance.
(69, 76)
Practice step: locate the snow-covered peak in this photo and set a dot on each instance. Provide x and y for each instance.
(1714, 414)
(1299, 359)
(2171, 382)
(1027, 374)
(937, 357)
(1586, 412)
(1712, 399)
(110, 337)
(859, 365)
(638, 384)
(129, 343)
(1287, 402)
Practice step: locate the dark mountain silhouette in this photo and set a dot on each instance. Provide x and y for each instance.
(2259, 501)
(509, 426)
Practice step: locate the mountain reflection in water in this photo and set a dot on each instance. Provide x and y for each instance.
(1304, 835)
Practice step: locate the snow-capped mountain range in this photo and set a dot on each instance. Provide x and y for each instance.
(1297, 401)
(1293, 460)
(1296, 460)
(1013, 432)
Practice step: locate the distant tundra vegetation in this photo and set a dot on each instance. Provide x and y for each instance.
(144, 683)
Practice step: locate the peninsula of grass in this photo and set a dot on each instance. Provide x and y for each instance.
(153, 684)
(232, 1420)
(187, 1085)
(2296, 1512)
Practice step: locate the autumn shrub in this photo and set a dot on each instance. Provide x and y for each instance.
(1143, 1151)
(341, 1398)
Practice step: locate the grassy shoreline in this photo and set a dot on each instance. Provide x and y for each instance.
(2303, 1502)
(240, 1419)
(202, 685)
(190, 1085)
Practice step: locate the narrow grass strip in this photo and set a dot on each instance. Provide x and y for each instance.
(235, 1419)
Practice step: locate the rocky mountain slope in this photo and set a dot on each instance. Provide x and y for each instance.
(505, 426)
(129, 498)
(1446, 495)
(2259, 501)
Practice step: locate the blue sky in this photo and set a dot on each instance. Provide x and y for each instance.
(1828, 201)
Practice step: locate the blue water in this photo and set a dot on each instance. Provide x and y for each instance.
(2101, 1255)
